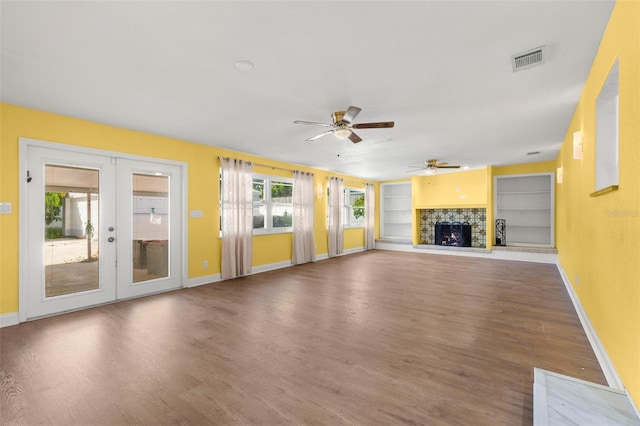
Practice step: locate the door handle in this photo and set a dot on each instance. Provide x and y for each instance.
(111, 239)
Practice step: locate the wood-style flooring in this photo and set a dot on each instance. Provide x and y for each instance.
(374, 338)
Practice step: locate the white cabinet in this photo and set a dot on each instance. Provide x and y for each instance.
(526, 203)
(395, 209)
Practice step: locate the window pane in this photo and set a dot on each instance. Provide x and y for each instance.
(150, 227)
(259, 212)
(355, 200)
(282, 216)
(72, 230)
(281, 192)
(258, 190)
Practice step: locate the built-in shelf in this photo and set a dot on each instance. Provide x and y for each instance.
(604, 191)
(395, 208)
(526, 202)
(523, 192)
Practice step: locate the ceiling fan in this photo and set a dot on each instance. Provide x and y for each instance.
(342, 126)
(431, 167)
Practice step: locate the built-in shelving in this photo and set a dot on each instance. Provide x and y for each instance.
(395, 206)
(526, 203)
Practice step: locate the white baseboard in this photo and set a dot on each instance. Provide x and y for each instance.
(7, 320)
(353, 250)
(325, 256)
(207, 279)
(610, 373)
(270, 267)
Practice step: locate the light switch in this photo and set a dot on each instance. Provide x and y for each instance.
(5, 208)
(196, 214)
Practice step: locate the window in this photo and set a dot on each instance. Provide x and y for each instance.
(272, 204)
(354, 207)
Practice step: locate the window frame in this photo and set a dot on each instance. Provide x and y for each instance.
(269, 205)
(349, 218)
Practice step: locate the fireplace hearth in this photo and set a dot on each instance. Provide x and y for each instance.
(455, 234)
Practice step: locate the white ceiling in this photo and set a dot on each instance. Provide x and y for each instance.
(440, 70)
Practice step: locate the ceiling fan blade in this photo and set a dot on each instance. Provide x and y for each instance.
(416, 167)
(350, 114)
(355, 138)
(415, 170)
(380, 125)
(447, 167)
(314, 123)
(320, 135)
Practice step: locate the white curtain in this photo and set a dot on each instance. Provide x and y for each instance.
(237, 217)
(304, 248)
(369, 216)
(336, 216)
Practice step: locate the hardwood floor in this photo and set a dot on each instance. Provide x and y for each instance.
(374, 338)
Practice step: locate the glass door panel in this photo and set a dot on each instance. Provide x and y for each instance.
(71, 222)
(150, 227)
(150, 220)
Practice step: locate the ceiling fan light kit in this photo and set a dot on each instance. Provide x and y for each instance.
(431, 167)
(342, 132)
(342, 126)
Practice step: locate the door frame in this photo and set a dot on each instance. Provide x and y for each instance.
(24, 144)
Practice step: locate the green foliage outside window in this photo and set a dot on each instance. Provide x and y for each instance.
(358, 207)
(53, 206)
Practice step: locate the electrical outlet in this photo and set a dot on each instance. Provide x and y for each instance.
(205, 264)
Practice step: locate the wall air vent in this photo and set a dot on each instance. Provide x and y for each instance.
(528, 59)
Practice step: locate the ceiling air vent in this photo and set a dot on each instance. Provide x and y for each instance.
(528, 59)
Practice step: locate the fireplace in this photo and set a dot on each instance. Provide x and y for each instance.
(455, 234)
(474, 216)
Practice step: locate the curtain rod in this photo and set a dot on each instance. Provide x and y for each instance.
(274, 167)
(263, 165)
(293, 170)
(351, 181)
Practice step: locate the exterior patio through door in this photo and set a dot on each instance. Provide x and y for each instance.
(96, 227)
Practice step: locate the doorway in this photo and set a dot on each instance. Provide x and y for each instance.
(96, 227)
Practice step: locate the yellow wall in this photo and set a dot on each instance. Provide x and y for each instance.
(203, 190)
(598, 238)
(458, 189)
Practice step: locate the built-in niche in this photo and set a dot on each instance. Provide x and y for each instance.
(606, 143)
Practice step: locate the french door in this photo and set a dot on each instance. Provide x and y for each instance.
(97, 228)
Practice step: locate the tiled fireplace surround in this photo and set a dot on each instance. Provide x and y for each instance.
(477, 217)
